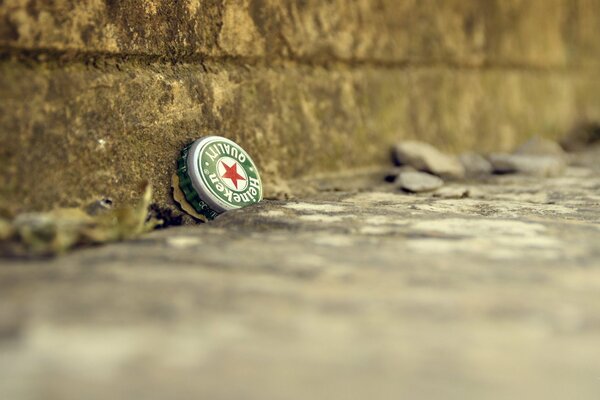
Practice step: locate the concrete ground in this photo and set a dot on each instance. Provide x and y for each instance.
(484, 289)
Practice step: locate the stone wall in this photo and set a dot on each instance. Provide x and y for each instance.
(96, 96)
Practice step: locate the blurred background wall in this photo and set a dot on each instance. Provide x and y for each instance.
(97, 95)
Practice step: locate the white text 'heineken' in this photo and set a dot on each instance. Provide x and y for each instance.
(222, 175)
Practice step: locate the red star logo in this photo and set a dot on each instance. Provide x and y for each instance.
(231, 173)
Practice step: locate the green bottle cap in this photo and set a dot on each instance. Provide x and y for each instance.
(217, 175)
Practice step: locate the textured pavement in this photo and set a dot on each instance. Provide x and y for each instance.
(487, 289)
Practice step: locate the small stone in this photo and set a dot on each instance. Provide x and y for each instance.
(417, 182)
(540, 147)
(545, 166)
(581, 136)
(475, 164)
(452, 192)
(425, 157)
(393, 173)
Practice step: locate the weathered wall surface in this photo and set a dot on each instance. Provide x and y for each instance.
(541, 33)
(96, 96)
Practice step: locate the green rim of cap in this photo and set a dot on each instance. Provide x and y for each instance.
(217, 175)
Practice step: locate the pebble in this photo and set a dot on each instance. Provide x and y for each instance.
(417, 182)
(540, 147)
(451, 192)
(544, 166)
(581, 136)
(425, 157)
(475, 164)
(393, 173)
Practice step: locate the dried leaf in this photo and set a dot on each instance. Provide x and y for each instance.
(57, 231)
(179, 197)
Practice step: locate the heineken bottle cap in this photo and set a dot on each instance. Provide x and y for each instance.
(215, 175)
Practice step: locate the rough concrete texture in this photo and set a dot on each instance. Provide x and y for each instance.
(99, 96)
(544, 33)
(346, 294)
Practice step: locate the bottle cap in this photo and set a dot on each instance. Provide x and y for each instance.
(216, 175)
